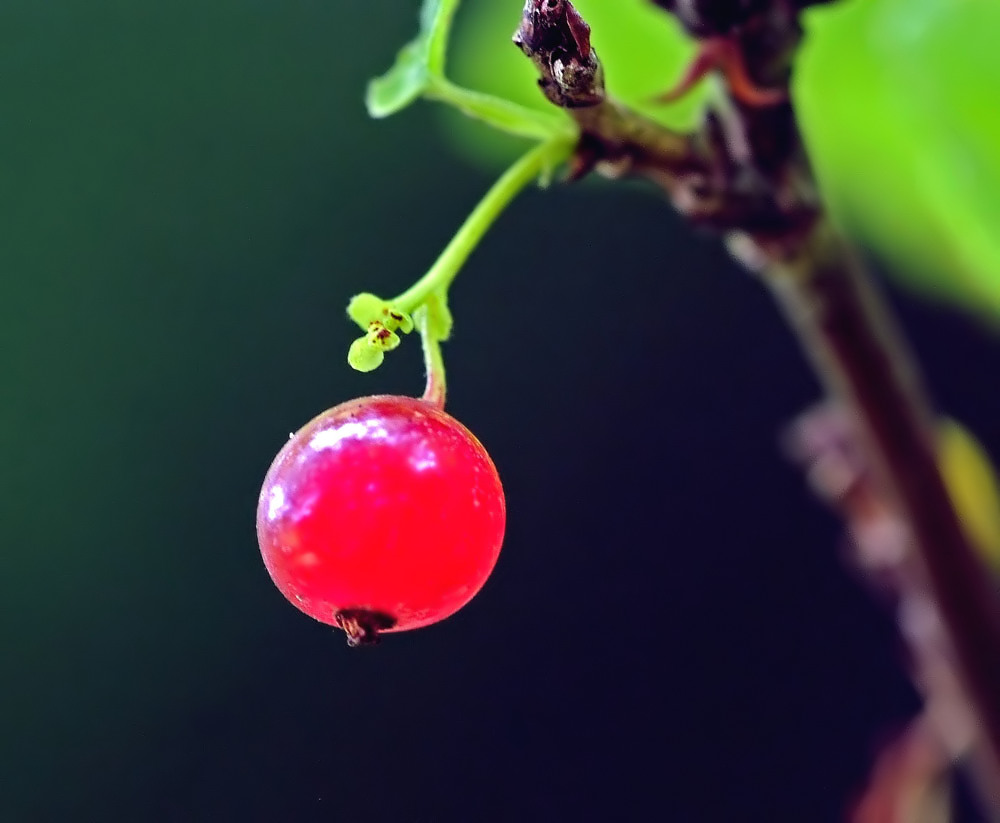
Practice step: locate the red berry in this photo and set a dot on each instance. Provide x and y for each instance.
(381, 514)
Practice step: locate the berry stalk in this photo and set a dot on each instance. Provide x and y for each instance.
(381, 320)
(429, 320)
(537, 162)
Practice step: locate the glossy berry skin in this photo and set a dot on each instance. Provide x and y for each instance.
(382, 514)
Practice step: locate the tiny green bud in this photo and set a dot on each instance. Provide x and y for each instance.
(380, 337)
(363, 356)
(365, 308)
(396, 319)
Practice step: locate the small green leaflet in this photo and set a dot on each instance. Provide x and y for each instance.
(418, 65)
(419, 72)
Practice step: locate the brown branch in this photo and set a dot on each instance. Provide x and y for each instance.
(746, 173)
(914, 767)
(857, 351)
(909, 783)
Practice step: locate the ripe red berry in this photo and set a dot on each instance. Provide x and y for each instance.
(382, 514)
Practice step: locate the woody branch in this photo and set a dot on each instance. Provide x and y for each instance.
(745, 172)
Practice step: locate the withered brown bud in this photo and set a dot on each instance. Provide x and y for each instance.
(557, 40)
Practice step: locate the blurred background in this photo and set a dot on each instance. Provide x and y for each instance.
(189, 193)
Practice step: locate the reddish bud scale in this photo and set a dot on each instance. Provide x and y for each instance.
(382, 514)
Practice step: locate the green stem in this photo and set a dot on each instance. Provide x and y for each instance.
(434, 393)
(501, 114)
(438, 46)
(541, 158)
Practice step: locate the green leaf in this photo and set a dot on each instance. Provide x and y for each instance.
(417, 64)
(898, 103)
(972, 484)
(402, 84)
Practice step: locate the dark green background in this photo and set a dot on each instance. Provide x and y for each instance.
(189, 193)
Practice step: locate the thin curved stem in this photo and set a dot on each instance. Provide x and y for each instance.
(530, 166)
(501, 114)
(437, 49)
(436, 388)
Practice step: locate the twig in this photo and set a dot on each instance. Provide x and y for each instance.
(857, 352)
(908, 782)
(746, 173)
(912, 770)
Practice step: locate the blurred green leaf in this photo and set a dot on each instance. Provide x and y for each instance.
(419, 62)
(404, 83)
(898, 101)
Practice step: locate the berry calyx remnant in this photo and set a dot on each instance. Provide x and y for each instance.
(380, 515)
